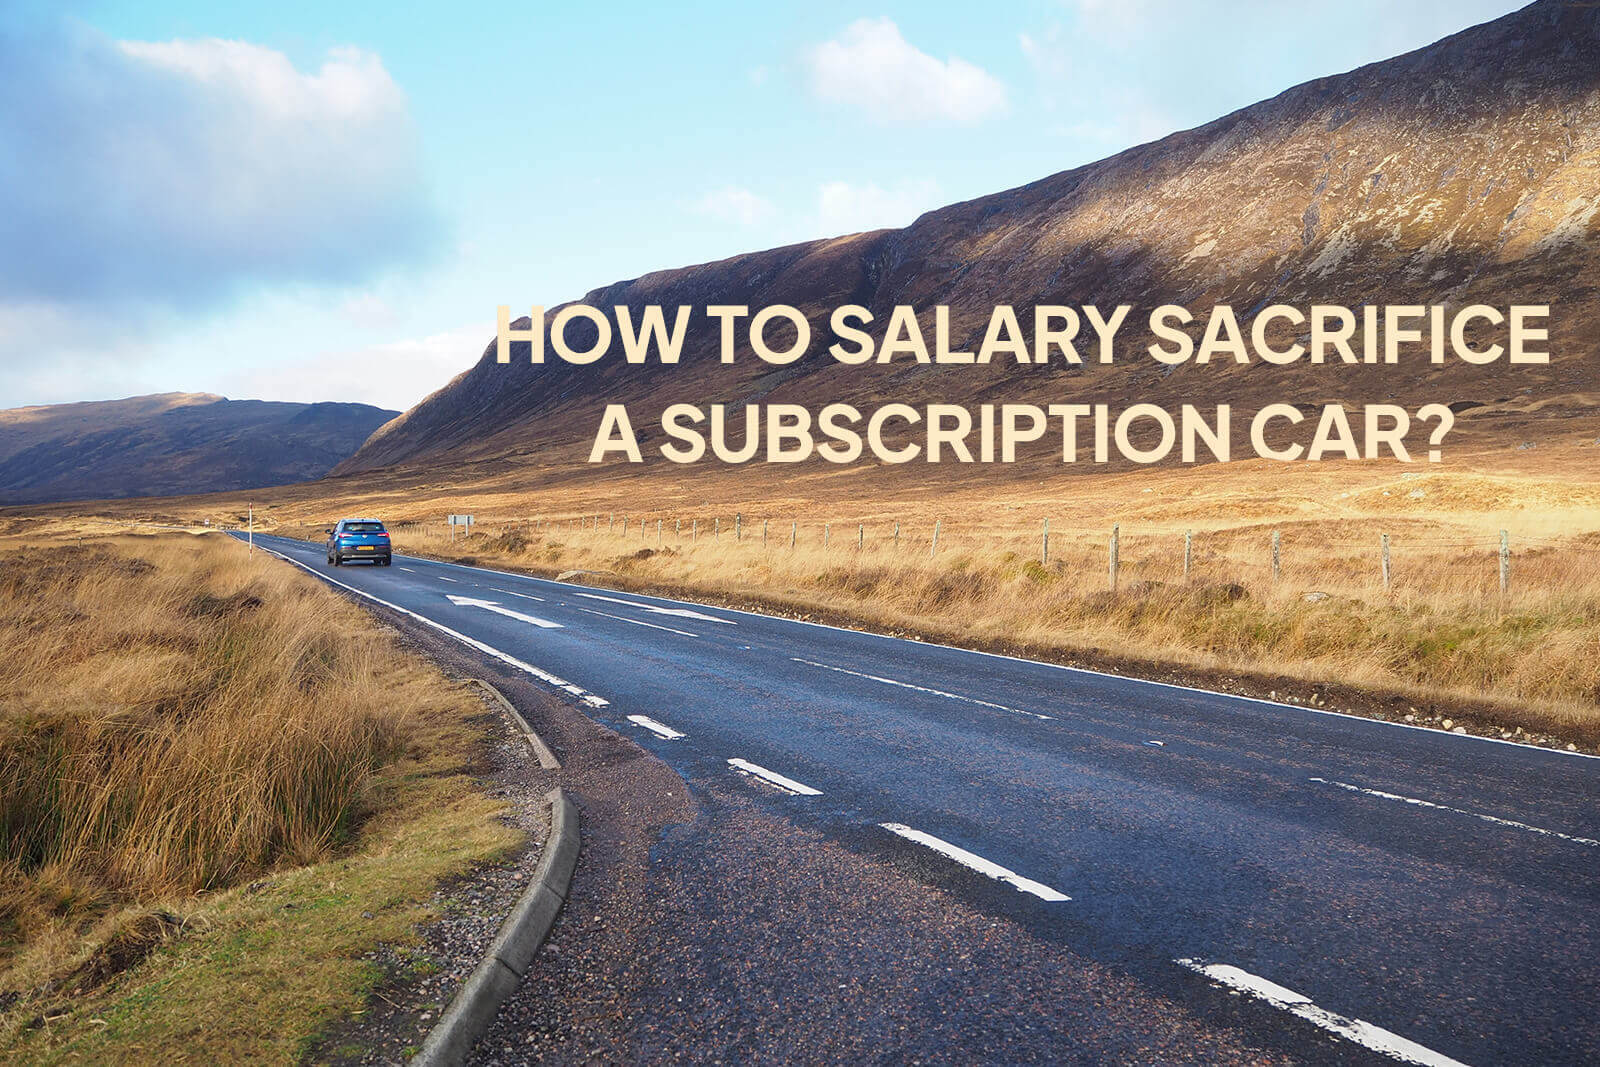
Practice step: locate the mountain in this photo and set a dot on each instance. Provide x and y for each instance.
(172, 443)
(1464, 172)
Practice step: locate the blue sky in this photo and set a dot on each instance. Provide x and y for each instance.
(303, 201)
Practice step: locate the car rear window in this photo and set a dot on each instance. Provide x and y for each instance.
(363, 527)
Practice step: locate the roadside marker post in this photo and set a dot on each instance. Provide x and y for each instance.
(861, 536)
(1116, 537)
(252, 513)
(933, 548)
(738, 526)
(1277, 558)
(897, 537)
(1505, 562)
(794, 533)
(824, 535)
(1188, 553)
(1386, 572)
(1044, 548)
(763, 533)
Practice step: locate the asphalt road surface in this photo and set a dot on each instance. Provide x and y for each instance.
(1335, 888)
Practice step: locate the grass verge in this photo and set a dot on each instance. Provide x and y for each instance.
(220, 787)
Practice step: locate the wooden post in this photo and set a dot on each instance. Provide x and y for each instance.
(1044, 548)
(738, 526)
(624, 526)
(763, 533)
(1116, 537)
(1188, 553)
(861, 536)
(1277, 555)
(1386, 572)
(934, 548)
(1505, 562)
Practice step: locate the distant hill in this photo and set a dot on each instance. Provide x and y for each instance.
(171, 444)
(1464, 172)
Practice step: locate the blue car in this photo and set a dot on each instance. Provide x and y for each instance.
(359, 539)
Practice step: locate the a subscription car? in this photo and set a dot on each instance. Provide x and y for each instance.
(358, 539)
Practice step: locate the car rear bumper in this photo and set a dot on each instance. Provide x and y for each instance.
(359, 553)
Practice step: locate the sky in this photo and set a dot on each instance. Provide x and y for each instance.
(314, 201)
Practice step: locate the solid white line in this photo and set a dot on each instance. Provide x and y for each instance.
(661, 729)
(921, 688)
(582, 694)
(524, 596)
(1512, 823)
(638, 622)
(976, 862)
(1362, 1033)
(1449, 738)
(781, 781)
(681, 612)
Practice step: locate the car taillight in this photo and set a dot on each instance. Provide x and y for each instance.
(384, 536)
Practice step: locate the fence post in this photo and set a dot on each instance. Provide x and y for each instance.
(763, 533)
(624, 526)
(1044, 549)
(1116, 537)
(1277, 557)
(861, 536)
(677, 529)
(738, 526)
(658, 531)
(1505, 562)
(611, 522)
(694, 529)
(716, 530)
(897, 537)
(1386, 572)
(1188, 553)
(794, 532)
(934, 548)
(824, 535)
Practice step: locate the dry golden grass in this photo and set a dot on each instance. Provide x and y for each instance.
(178, 718)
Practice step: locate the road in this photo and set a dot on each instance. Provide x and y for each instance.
(1366, 889)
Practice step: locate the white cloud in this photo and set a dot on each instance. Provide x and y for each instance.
(872, 68)
(174, 174)
(843, 207)
(390, 374)
(733, 203)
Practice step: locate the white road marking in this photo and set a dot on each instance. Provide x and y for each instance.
(773, 777)
(581, 693)
(1156, 744)
(922, 689)
(976, 862)
(682, 613)
(1362, 1033)
(490, 605)
(658, 728)
(1512, 823)
(408, 570)
(638, 622)
(442, 578)
(524, 596)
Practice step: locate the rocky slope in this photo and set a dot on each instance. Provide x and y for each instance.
(172, 443)
(1467, 171)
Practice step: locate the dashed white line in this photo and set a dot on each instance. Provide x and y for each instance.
(524, 596)
(1362, 1033)
(408, 570)
(1512, 823)
(658, 728)
(922, 689)
(976, 862)
(582, 694)
(442, 578)
(637, 622)
(783, 782)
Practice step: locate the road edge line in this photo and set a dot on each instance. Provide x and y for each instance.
(547, 757)
(508, 957)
